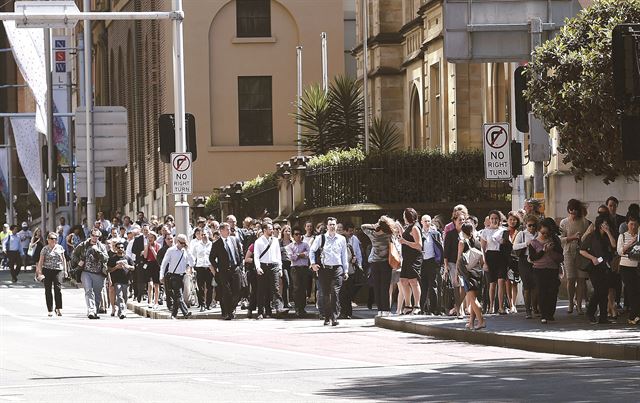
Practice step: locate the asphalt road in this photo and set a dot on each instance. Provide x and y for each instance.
(72, 358)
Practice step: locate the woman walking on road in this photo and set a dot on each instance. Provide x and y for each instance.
(495, 261)
(411, 241)
(572, 228)
(471, 275)
(380, 235)
(52, 268)
(599, 247)
(529, 289)
(545, 251)
(629, 268)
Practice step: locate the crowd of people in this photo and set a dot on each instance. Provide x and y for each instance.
(418, 264)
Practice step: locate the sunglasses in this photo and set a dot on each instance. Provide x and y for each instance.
(276, 229)
(531, 225)
(53, 239)
(182, 242)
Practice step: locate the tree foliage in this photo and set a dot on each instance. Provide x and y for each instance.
(384, 136)
(333, 120)
(571, 88)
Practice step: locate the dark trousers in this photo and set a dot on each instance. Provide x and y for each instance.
(51, 281)
(429, 301)
(381, 275)
(330, 281)
(169, 295)
(300, 276)
(269, 298)
(548, 284)
(13, 257)
(175, 293)
(286, 282)
(230, 283)
(632, 288)
(600, 282)
(203, 279)
(251, 291)
(346, 297)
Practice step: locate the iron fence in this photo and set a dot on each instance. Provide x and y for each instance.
(404, 178)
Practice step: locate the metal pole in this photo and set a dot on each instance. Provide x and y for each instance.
(325, 70)
(538, 166)
(365, 72)
(7, 140)
(299, 99)
(517, 195)
(51, 205)
(71, 131)
(88, 99)
(181, 204)
(91, 16)
(43, 189)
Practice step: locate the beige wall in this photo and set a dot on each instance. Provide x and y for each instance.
(214, 59)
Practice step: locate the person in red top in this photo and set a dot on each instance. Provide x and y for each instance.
(153, 268)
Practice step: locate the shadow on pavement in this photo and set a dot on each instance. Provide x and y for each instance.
(562, 379)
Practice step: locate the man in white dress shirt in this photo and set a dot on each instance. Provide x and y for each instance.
(175, 264)
(268, 262)
(332, 265)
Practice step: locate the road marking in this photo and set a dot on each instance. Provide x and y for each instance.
(481, 376)
(512, 379)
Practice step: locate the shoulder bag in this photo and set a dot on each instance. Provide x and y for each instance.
(395, 260)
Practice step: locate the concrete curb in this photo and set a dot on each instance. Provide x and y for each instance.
(528, 343)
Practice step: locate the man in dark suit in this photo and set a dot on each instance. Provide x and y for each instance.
(140, 274)
(226, 260)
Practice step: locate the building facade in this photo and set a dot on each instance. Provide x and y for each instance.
(240, 84)
(436, 105)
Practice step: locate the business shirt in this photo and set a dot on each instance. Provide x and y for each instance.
(12, 243)
(428, 246)
(334, 252)
(272, 256)
(172, 261)
(355, 244)
(200, 251)
(294, 249)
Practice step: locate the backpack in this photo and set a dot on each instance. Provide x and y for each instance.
(471, 259)
(319, 251)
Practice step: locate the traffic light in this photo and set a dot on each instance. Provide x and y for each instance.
(625, 49)
(516, 158)
(522, 106)
(168, 136)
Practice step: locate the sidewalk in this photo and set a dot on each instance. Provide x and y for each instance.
(569, 334)
(143, 310)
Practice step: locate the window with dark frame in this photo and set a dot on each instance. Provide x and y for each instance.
(255, 111)
(253, 18)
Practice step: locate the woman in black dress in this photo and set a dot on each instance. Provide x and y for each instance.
(471, 274)
(411, 242)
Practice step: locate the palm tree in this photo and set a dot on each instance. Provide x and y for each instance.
(346, 105)
(314, 118)
(384, 136)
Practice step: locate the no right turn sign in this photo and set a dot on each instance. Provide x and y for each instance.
(181, 173)
(497, 151)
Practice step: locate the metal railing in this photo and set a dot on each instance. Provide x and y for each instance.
(406, 178)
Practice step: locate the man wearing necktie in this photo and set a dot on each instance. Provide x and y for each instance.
(226, 260)
(14, 252)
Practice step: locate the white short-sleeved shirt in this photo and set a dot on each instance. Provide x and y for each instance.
(492, 237)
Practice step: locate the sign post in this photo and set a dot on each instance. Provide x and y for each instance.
(181, 183)
(496, 140)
